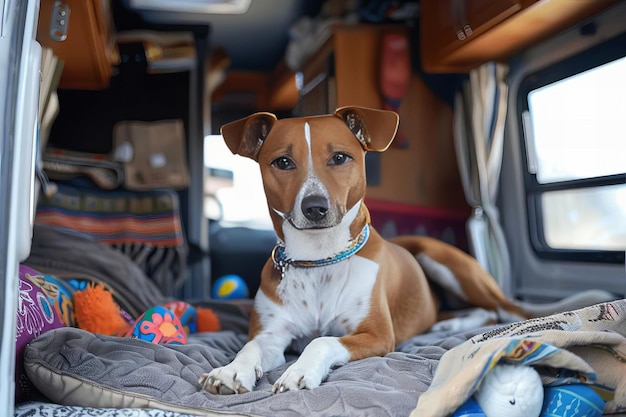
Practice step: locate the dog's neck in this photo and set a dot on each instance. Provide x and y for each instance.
(323, 244)
(282, 262)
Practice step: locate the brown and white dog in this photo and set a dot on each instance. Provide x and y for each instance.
(332, 277)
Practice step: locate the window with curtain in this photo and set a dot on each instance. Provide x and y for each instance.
(574, 125)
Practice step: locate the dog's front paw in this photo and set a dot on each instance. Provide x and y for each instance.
(297, 378)
(229, 380)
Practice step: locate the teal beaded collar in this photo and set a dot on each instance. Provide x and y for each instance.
(281, 262)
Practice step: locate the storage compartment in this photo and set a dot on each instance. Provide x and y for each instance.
(458, 35)
(81, 34)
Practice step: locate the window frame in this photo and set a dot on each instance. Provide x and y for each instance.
(607, 51)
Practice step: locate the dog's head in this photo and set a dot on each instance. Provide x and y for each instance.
(313, 168)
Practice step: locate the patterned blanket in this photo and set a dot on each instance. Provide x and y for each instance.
(581, 346)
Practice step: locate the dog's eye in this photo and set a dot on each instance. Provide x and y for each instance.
(339, 159)
(283, 163)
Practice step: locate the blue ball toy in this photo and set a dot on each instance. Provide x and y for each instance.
(230, 287)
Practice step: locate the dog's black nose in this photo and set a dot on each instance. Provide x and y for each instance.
(314, 207)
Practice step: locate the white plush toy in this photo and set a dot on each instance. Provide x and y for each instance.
(511, 391)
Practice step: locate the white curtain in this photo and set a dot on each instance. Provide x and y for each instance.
(479, 116)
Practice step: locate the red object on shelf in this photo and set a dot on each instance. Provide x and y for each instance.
(395, 75)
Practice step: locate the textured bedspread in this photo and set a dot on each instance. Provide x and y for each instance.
(78, 368)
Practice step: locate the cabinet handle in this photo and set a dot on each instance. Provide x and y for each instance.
(460, 17)
(457, 17)
(59, 21)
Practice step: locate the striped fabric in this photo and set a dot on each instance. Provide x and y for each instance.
(145, 225)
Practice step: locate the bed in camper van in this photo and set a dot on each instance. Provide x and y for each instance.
(118, 216)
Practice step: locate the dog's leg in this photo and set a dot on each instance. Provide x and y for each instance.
(313, 365)
(263, 353)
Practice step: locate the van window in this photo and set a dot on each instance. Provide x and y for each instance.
(578, 124)
(575, 134)
(233, 188)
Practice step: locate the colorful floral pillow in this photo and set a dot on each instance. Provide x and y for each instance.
(60, 294)
(37, 312)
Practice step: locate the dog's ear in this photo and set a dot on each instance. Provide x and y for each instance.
(375, 129)
(245, 136)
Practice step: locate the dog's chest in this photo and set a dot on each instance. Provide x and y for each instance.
(329, 300)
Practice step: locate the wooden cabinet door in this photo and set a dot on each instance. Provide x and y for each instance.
(448, 25)
(88, 50)
(482, 15)
(458, 35)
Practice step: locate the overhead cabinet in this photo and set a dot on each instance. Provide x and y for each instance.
(345, 70)
(81, 34)
(458, 35)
